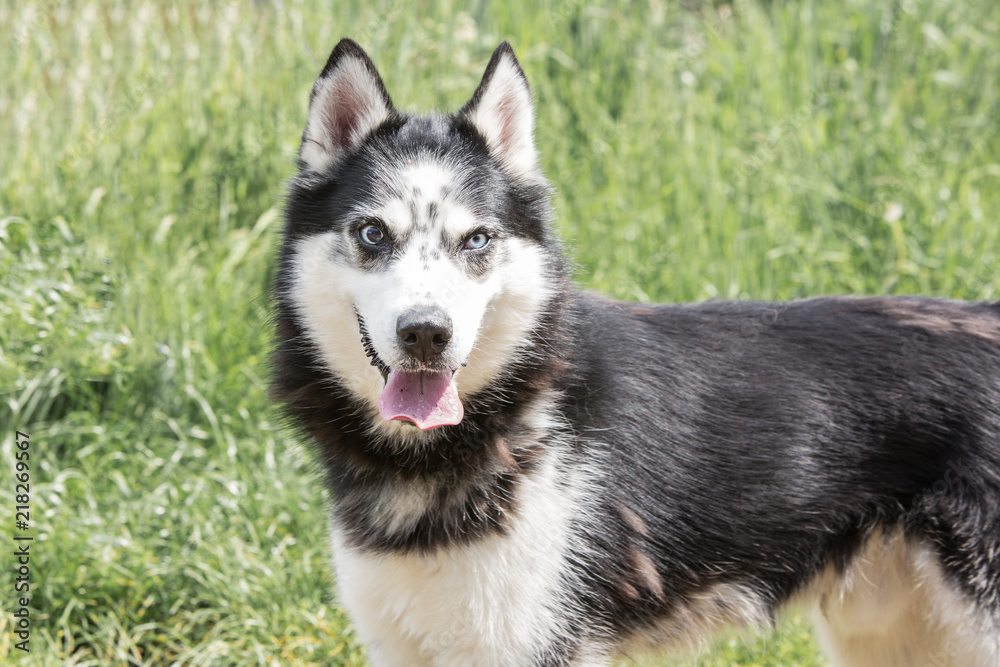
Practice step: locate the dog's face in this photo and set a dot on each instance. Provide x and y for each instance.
(425, 236)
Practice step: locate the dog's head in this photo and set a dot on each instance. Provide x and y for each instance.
(417, 255)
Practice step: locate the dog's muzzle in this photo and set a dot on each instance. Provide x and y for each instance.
(425, 398)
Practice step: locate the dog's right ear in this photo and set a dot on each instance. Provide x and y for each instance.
(347, 103)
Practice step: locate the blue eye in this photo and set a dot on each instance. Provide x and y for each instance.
(476, 241)
(371, 235)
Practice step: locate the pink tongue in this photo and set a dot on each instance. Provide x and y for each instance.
(427, 399)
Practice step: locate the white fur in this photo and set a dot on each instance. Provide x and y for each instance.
(895, 608)
(505, 117)
(699, 617)
(400, 506)
(348, 91)
(491, 316)
(510, 315)
(323, 293)
(489, 603)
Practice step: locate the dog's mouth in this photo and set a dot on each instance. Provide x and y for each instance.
(424, 398)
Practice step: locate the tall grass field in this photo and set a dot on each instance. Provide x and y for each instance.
(698, 150)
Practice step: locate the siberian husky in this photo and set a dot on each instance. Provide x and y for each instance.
(523, 473)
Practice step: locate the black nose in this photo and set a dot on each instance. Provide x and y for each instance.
(424, 333)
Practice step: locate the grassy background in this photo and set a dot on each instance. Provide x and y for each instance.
(752, 150)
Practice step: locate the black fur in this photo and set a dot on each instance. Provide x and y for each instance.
(761, 442)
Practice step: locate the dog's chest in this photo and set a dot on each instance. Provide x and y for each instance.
(485, 603)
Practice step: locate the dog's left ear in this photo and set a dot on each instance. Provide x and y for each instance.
(502, 112)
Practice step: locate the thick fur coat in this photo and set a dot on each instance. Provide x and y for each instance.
(523, 473)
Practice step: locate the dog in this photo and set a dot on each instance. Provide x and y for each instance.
(525, 473)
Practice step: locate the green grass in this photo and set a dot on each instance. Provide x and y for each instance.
(771, 150)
